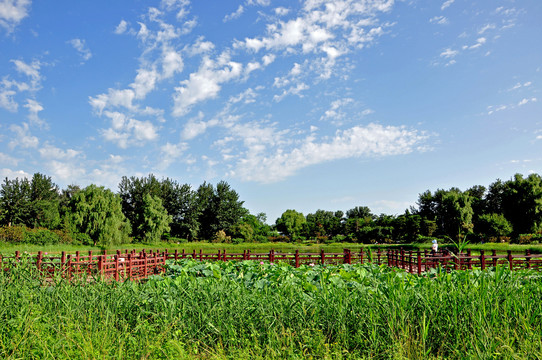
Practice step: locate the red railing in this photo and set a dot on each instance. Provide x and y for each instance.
(140, 265)
(421, 261)
(118, 266)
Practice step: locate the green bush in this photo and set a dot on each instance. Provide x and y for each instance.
(12, 234)
(41, 237)
(529, 238)
(261, 238)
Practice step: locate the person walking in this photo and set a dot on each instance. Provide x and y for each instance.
(434, 247)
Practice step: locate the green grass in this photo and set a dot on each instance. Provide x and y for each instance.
(250, 310)
(9, 249)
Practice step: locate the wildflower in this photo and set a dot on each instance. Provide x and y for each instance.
(311, 264)
(261, 262)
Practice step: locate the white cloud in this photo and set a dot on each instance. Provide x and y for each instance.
(10, 88)
(172, 63)
(449, 53)
(32, 71)
(486, 28)
(197, 126)
(372, 140)
(526, 101)
(125, 131)
(121, 27)
(520, 85)
(81, 48)
(14, 174)
(205, 83)
(235, 15)
(440, 20)
(23, 138)
(12, 12)
(446, 4)
(67, 171)
(144, 82)
(6, 100)
(169, 153)
(334, 112)
(33, 109)
(6, 159)
(50, 152)
(294, 90)
(281, 11)
(479, 42)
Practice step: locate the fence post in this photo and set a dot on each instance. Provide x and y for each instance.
(403, 258)
(63, 262)
(200, 255)
(322, 257)
(69, 267)
(410, 261)
(389, 255)
(297, 258)
(528, 259)
(219, 255)
(100, 265)
(419, 258)
(510, 260)
(38, 260)
(176, 254)
(117, 266)
(494, 254)
(378, 255)
(144, 265)
(482, 260)
(361, 256)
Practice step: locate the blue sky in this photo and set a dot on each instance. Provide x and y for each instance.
(304, 105)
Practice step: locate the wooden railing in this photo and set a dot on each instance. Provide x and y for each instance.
(119, 266)
(134, 265)
(421, 261)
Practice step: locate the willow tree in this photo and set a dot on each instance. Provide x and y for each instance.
(97, 212)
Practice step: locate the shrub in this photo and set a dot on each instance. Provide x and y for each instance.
(261, 238)
(41, 237)
(12, 234)
(221, 237)
(529, 238)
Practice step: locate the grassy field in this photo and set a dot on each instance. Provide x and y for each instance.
(9, 249)
(250, 310)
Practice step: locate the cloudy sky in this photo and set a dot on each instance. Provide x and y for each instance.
(297, 104)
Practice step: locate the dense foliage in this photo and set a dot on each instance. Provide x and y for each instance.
(259, 310)
(151, 210)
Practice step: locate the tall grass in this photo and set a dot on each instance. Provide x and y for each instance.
(253, 310)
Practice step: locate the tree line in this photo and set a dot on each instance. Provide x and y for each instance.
(147, 209)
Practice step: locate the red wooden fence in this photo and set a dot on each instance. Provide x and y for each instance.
(140, 265)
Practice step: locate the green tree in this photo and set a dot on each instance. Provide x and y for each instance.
(220, 209)
(45, 202)
(522, 203)
(97, 212)
(132, 191)
(178, 200)
(291, 223)
(455, 213)
(493, 225)
(15, 202)
(155, 219)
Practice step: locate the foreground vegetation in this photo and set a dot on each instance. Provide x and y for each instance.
(260, 310)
